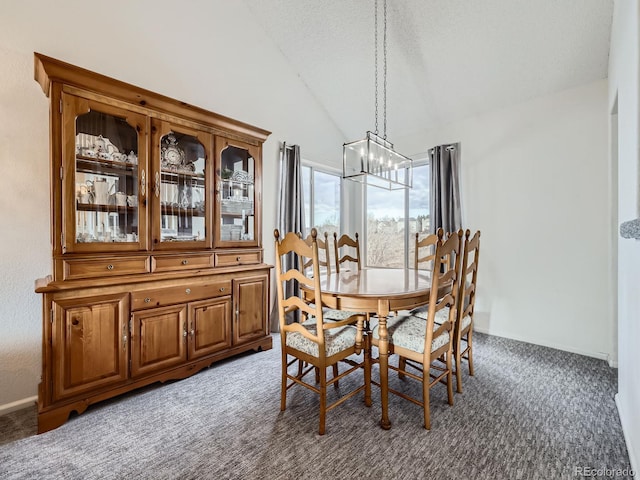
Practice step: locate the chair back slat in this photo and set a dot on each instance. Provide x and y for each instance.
(342, 242)
(324, 260)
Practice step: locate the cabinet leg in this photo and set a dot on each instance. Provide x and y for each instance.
(54, 418)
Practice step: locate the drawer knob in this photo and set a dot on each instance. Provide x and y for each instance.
(184, 262)
(147, 300)
(222, 289)
(237, 259)
(188, 291)
(109, 267)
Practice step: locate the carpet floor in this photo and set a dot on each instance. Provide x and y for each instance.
(530, 412)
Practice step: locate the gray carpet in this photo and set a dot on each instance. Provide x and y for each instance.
(529, 413)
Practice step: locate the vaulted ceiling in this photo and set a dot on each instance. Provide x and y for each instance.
(447, 59)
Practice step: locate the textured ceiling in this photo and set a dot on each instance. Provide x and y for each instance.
(447, 59)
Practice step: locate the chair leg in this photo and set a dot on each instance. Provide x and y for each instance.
(323, 398)
(402, 366)
(449, 378)
(283, 392)
(425, 398)
(458, 365)
(335, 374)
(367, 369)
(470, 352)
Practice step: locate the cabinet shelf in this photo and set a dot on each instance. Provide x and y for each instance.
(180, 211)
(94, 207)
(171, 173)
(105, 167)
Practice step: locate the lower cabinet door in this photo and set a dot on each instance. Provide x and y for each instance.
(209, 326)
(89, 344)
(250, 319)
(158, 339)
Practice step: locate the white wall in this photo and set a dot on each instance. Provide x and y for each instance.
(534, 181)
(624, 85)
(218, 59)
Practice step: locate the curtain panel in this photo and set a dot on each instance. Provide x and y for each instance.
(446, 207)
(290, 216)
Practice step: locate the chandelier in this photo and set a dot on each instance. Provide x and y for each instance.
(373, 160)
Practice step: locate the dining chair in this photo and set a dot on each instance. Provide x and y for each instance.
(427, 346)
(313, 345)
(463, 327)
(342, 242)
(463, 331)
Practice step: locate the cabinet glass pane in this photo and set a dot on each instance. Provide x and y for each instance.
(182, 188)
(237, 195)
(106, 177)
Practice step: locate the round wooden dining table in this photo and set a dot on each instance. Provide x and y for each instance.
(377, 291)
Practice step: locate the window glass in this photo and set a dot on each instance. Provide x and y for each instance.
(385, 227)
(321, 200)
(326, 202)
(393, 219)
(418, 208)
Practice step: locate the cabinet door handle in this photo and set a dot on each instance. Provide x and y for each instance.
(143, 183)
(124, 342)
(184, 334)
(157, 187)
(192, 332)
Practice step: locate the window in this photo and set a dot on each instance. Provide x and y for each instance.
(321, 200)
(393, 218)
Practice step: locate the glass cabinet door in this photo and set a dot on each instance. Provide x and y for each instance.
(182, 207)
(104, 200)
(237, 191)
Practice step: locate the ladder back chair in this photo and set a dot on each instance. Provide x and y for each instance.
(346, 241)
(313, 345)
(463, 327)
(463, 331)
(427, 346)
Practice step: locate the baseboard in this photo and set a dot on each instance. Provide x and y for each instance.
(625, 431)
(17, 405)
(600, 355)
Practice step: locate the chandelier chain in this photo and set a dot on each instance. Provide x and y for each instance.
(375, 42)
(384, 88)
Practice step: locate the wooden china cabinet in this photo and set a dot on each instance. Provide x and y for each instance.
(156, 240)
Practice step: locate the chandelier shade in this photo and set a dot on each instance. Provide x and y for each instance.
(373, 161)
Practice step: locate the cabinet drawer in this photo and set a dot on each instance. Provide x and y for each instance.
(171, 263)
(105, 267)
(159, 297)
(238, 258)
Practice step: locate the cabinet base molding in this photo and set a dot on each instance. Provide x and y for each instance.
(52, 417)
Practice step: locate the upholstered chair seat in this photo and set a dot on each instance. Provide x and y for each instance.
(408, 331)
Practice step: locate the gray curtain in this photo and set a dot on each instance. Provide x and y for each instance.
(446, 208)
(290, 211)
